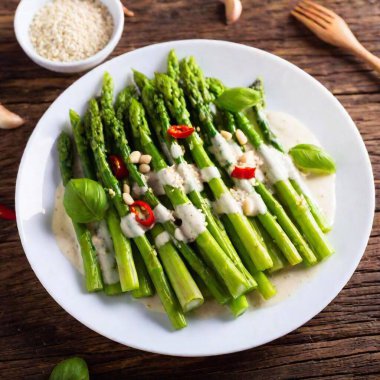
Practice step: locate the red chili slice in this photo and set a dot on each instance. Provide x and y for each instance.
(118, 167)
(180, 131)
(142, 208)
(243, 172)
(7, 213)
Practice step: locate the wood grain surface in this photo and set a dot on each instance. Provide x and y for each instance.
(342, 342)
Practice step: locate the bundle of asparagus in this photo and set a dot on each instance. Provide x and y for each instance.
(187, 236)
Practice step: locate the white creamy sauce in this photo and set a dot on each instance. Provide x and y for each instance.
(162, 214)
(131, 227)
(274, 164)
(176, 150)
(193, 221)
(64, 231)
(191, 177)
(224, 151)
(170, 177)
(248, 186)
(161, 239)
(289, 130)
(104, 248)
(139, 191)
(209, 173)
(286, 282)
(227, 204)
(178, 234)
(258, 204)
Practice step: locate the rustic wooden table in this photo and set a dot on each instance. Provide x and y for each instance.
(341, 342)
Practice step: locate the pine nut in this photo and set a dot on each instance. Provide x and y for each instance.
(226, 135)
(241, 137)
(144, 168)
(126, 188)
(134, 157)
(145, 159)
(248, 206)
(127, 198)
(243, 159)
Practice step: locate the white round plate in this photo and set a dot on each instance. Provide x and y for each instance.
(288, 89)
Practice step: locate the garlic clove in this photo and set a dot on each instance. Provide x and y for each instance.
(127, 11)
(9, 120)
(233, 10)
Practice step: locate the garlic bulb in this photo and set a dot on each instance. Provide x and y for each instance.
(9, 120)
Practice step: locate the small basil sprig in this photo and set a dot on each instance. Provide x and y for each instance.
(85, 200)
(312, 159)
(238, 99)
(70, 369)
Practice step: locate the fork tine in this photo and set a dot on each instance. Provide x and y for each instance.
(316, 19)
(310, 23)
(322, 9)
(312, 11)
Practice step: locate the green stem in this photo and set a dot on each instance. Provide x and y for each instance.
(123, 253)
(279, 262)
(161, 284)
(145, 288)
(286, 223)
(188, 294)
(301, 213)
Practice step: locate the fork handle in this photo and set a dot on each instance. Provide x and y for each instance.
(360, 51)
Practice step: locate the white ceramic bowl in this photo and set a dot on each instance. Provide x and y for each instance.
(24, 16)
(288, 89)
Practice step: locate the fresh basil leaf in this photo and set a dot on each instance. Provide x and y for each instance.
(70, 369)
(238, 99)
(85, 200)
(312, 159)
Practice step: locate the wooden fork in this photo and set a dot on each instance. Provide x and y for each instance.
(331, 28)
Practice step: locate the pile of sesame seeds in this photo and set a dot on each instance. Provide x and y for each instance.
(71, 30)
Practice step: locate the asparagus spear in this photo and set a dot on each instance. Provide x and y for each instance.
(279, 261)
(93, 277)
(187, 291)
(270, 138)
(123, 252)
(149, 255)
(265, 287)
(172, 66)
(145, 288)
(177, 108)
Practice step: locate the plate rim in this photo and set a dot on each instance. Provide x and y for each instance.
(348, 274)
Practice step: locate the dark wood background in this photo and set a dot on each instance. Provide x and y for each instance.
(342, 342)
